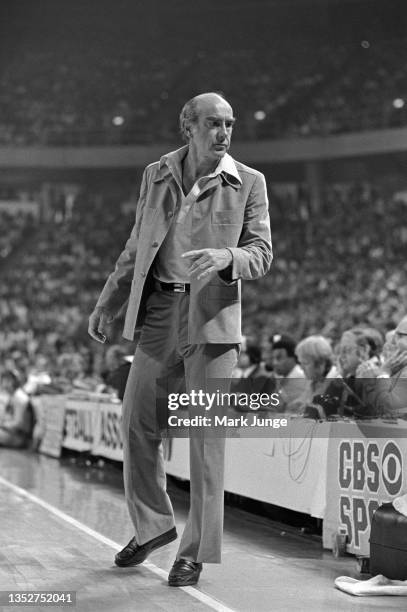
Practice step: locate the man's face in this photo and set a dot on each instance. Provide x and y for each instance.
(211, 135)
(282, 363)
(313, 369)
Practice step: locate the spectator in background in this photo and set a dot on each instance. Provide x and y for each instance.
(283, 360)
(386, 395)
(250, 375)
(17, 422)
(287, 374)
(38, 376)
(395, 363)
(71, 369)
(117, 369)
(375, 346)
(358, 359)
(249, 363)
(376, 343)
(354, 350)
(394, 358)
(324, 394)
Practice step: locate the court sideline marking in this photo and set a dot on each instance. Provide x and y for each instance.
(202, 597)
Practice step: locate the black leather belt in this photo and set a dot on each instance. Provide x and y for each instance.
(174, 287)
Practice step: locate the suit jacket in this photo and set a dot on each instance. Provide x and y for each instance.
(231, 211)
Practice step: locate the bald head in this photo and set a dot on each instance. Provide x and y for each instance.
(208, 103)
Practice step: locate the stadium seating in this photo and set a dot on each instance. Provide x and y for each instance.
(330, 271)
(279, 90)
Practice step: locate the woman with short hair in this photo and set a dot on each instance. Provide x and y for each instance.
(327, 393)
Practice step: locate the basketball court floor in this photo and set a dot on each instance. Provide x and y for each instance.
(61, 526)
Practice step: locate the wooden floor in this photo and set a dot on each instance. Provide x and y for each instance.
(60, 527)
(44, 553)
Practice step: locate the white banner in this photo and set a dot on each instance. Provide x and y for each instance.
(286, 472)
(80, 422)
(50, 421)
(108, 440)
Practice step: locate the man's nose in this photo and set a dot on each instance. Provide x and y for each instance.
(222, 132)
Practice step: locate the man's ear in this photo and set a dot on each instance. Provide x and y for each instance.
(190, 130)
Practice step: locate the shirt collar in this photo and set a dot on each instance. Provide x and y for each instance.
(171, 163)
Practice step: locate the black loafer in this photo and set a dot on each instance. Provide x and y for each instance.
(133, 554)
(184, 573)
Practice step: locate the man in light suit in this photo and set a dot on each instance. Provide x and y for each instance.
(202, 224)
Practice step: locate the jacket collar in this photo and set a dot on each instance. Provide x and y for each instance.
(170, 163)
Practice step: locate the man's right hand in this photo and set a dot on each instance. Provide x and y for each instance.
(368, 369)
(395, 361)
(98, 322)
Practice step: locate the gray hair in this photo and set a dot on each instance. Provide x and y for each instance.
(189, 114)
(316, 348)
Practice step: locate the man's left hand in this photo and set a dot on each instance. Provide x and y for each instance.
(206, 261)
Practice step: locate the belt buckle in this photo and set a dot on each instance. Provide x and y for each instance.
(179, 287)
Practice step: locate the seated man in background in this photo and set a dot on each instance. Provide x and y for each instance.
(288, 375)
(17, 421)
(355, 352)
(117, 369)
(385, 388)
(250, 374)
(249, 363)
(395, 363)
(373, 367)
(375, 347)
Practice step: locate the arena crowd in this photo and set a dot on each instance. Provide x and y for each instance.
(279, 90)
(326, 312)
